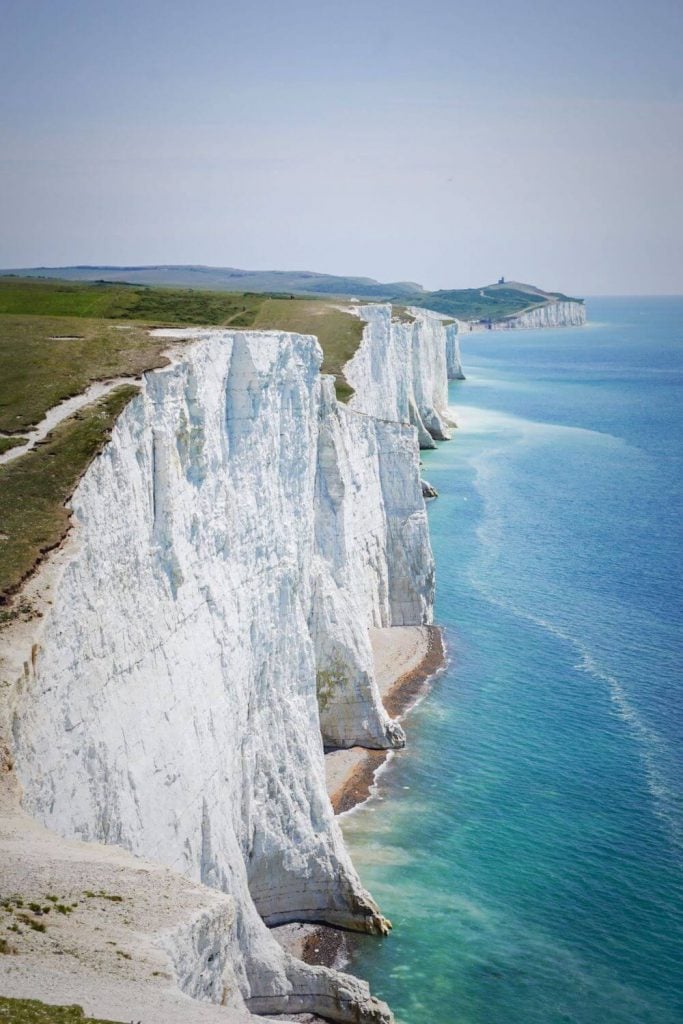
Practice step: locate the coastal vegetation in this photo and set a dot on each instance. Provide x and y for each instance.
(330, 681)
(58, 337)
(11, 442)
(489, 302)
(124, 302)
(35, 487)
(492, 303)
(46, 359)
(32, 1011)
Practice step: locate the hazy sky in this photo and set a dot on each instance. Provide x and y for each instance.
(445, 143)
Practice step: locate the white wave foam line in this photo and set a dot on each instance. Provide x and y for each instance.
(478, 380)
(474, 419)
(650, 743)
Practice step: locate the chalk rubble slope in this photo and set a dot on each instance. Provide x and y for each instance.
(124, 938)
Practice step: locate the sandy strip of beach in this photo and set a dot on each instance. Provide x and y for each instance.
(405, 658)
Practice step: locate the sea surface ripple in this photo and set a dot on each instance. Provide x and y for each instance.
(528, 844)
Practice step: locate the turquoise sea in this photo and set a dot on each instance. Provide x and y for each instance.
(528, 844)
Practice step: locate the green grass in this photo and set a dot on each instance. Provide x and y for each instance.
(35, 487)
(51, 348)
(56, 298)
(57, 338)
(6, 443)
(27, 296)
(477, 303)
(31, 1011)
(44, 360)
(402, 314)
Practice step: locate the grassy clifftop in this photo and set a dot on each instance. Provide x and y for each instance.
(490, 302)
(57, 337)
(35, 487)
(125, 302)
(339, 333)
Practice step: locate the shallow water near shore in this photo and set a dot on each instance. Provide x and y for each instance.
(528, 844)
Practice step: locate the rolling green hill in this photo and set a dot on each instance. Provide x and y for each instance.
(494, 302)
(488, 302)
(229, 279)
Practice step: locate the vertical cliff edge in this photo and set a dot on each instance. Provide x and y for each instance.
(204, 633)
(565, 313)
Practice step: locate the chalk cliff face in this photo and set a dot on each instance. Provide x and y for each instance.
(373, 564)
(554, 314)
(453, 360)
(399, 371)
(232, 545)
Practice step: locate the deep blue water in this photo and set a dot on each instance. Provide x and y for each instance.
(528, 845)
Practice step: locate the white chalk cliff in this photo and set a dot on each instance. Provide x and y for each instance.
(453, 360)
(552, 314)
(399, 371)
(208, 631)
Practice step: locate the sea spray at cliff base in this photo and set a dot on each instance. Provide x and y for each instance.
(527, 846)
